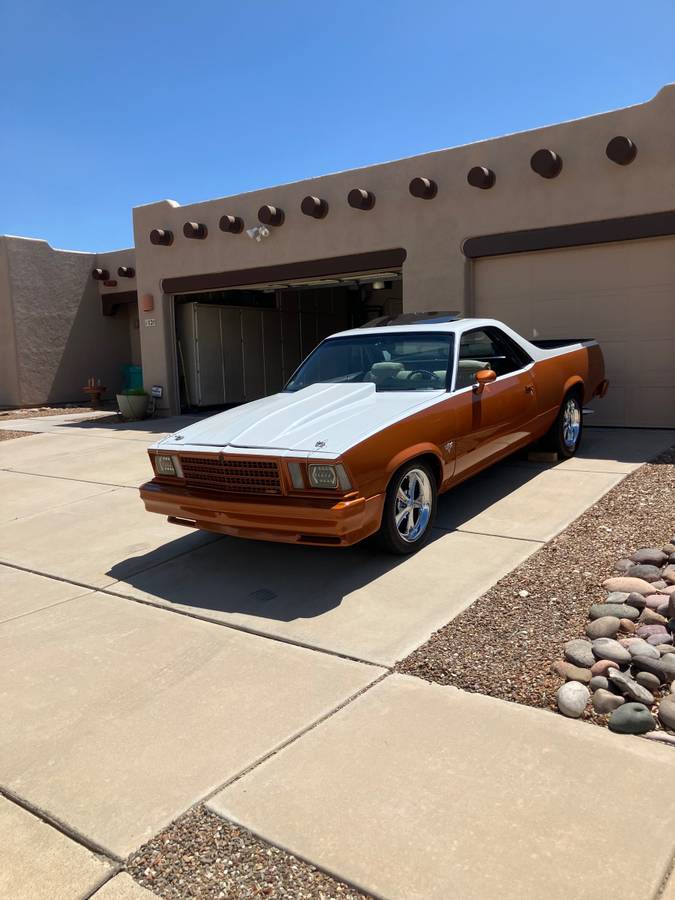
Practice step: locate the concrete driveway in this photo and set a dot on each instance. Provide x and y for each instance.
(126, 701)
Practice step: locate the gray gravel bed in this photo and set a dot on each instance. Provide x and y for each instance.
(503, 644)
(201, 855)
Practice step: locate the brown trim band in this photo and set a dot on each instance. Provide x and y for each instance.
(110, 302)
(605, 231)
(314, 268)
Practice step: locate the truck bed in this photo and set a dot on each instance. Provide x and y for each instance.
(555, 343)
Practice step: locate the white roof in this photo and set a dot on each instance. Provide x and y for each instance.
(454, 327)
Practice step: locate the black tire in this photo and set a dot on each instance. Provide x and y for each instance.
(564, 436)
(392, 537)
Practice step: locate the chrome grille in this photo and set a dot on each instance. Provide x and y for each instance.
(231, 475)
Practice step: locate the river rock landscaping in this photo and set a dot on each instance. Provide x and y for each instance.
(628, 658)
(511, 642)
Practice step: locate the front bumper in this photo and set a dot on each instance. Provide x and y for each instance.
(293, 520)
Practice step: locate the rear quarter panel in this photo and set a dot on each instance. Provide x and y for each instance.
(553, 377)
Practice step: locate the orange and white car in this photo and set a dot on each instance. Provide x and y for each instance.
(374, 425)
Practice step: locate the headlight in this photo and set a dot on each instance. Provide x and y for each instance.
(167, 465)
(328, 477)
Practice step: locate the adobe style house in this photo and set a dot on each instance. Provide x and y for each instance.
(563, 231)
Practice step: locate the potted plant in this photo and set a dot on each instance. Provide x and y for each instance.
(133, 403)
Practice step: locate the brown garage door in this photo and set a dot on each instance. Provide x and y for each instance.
(622, 294)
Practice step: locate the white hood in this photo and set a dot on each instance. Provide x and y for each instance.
(323, 417)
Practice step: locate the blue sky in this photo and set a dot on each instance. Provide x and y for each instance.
(105, 106)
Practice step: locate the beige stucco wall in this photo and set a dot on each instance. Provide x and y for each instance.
(112, 260)
(52, 310)
(435, 274)
(9, 376)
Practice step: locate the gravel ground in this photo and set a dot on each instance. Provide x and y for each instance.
(503, 645)
(203, 856)
(40, 411)
(10, 435)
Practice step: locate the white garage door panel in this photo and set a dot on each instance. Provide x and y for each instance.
(621, 294)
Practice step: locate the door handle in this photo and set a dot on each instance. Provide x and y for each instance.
(529, 389)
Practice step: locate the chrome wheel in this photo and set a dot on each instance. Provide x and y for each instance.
(412, 510)
(571, 424)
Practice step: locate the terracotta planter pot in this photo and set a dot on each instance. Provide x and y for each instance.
(133, 406)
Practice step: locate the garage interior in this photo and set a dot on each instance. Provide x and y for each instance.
(240, 344)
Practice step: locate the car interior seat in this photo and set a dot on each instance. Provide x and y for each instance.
(466, 372)
(386, 374)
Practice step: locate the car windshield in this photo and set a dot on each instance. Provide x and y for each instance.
(395, 361)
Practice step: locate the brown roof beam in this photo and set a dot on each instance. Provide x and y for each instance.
(579, 234)
(377, 260)
(196, 231)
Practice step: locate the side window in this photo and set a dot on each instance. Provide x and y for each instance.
(487, 348)
(514, 355)
(475, 352)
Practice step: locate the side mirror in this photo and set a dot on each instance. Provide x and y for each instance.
(484, 377)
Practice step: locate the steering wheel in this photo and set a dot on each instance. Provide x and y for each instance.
(429, 376)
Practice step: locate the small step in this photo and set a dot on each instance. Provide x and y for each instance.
(542, 456)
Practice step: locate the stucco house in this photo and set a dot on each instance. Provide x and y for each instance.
(563, 231)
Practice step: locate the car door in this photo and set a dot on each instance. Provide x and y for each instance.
(493, 420)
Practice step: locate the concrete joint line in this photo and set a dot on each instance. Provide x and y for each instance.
(117, 869)
(69, 504)
(506, 537)
(333, 873)
(293, 739)
(109, 484)
(93, 589)
(43, 608)
(89, 588)
(242, 628)
(669, 873)
(263, 759)
(555, 467)
(254, 765)
(63, 828)
(260, 761)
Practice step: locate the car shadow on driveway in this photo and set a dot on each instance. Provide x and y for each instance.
(149, 427)
(377, 607)
(479, 493)
(286, 582)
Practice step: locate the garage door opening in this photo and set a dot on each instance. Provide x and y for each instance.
(239, 344)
